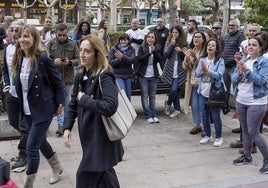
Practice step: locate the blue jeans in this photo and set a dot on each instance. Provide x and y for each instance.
(173, 96)
(125, 84)
(250, 117)
(148, 92)
(67, 91)
(16, 122)
(196, 113)
(214, 114)
(37, 141)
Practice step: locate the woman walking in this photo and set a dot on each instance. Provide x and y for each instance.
(34, 72)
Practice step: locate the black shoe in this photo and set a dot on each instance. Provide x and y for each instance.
(226, 110)
(237, 130)
(264, 168)
(59, 132)
(243, 160)
(19, 165)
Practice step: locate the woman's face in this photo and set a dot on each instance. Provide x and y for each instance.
(84, 27)
(253, 47)
(87, 54)
(211, 47)
(105, 25)
(150, 39)
(124, 42)
(26, 41)
(198, 39)
(175, 34)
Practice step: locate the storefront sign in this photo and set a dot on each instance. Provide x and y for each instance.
(16, 4)
(2, 4)
(70, 6)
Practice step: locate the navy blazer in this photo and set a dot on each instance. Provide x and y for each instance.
(43, 98)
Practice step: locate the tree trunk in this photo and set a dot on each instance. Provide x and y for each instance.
(81, 9)
(225, 16)
(113, 16)
(173, 12)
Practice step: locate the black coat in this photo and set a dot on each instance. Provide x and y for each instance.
(143, 57)
(122, 68)
(99, 153)
(43, 100)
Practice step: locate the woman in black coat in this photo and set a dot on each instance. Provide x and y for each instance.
(121, 58)
(88, 103)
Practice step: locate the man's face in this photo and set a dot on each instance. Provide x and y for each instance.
(48, 23)
(233, 27)
(159, 23)
(14, 32)
(134, 24)
(216, 28)
(190, 27)
(62, 35)
(253, 30)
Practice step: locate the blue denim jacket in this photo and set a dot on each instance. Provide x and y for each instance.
(216, 72)
(259, 77)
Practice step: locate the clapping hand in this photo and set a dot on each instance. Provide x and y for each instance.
(118, 55)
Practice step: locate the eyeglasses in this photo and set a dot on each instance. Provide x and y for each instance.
(216, 27)
(231, 25)
(61, 35)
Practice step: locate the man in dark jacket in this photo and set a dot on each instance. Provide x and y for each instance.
(66, 56)
(162, 33)
(232, 43)
(3, 35)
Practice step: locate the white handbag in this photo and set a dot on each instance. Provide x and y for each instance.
(118, 125)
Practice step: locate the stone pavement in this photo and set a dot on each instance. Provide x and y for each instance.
(162, 155)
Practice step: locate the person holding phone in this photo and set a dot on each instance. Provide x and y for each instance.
(66, 56)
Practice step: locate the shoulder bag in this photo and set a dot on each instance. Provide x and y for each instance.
(118, 125)
(217, 95)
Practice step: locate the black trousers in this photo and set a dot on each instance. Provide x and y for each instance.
(104, 179)
(14, 118)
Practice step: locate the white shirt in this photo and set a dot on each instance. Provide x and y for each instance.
(24, 79)
(10, 51)
(245, 90)
(137, 34)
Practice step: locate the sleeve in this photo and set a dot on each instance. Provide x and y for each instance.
(113, 61)
(5, 73)
(75, 60)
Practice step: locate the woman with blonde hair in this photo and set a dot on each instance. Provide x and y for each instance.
(34, 72)
(103, 34)
(88, 104)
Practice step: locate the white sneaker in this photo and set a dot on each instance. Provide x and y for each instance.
(176, 113)
(218, 142)
(150, 120)
(206, 140)
(156, 120)
(167, 109)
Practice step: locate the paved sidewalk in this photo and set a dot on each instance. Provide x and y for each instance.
(162, 155)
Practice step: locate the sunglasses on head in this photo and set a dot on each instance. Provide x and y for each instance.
(16, 30)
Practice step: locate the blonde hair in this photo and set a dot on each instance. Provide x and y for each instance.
(100, 53)
(36, 49)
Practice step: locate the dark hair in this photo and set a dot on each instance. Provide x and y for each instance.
(145, 38)
(264, 36)
(218, 53)
(194, 22)
(191, 45)
(61, 27)
(260, 42)
(101, 24)
(123, 36)
(181, 42)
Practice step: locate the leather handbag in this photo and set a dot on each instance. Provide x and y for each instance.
(4, 171)
(118, 125)
(217, 95)
(194, 80)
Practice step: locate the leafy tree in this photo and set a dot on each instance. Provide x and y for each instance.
(257, 11)
(215, 7)
(190, 7)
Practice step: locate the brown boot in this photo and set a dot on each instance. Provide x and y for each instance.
(56, 168)
(236, 144)
(29, 181)
(196, 129)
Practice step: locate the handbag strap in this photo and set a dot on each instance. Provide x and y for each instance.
(100, 82)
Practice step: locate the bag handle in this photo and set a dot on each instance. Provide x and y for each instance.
(100, 82)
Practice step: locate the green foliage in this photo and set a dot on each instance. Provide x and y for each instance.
(90, 16)
(190, 7)
(257, 11)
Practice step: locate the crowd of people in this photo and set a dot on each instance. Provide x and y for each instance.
(49, 67)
